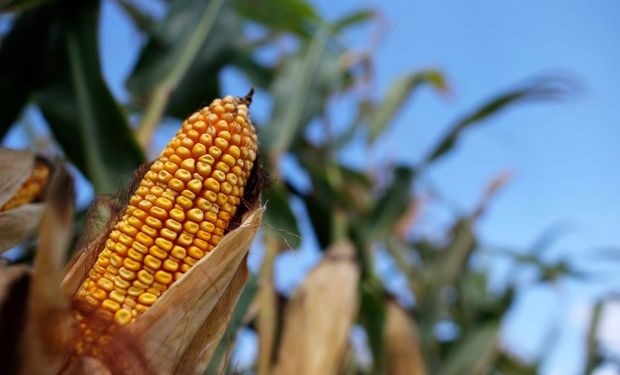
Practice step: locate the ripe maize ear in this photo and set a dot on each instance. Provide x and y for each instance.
(178, 213)
(32, 189)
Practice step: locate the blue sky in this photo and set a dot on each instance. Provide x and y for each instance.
(563, 155)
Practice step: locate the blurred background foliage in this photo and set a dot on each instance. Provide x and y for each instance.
(50, 60)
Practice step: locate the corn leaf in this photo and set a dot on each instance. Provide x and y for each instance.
(353, 19)
(399, 92)
(474, 353)
(536, 90)
(21, 63)
(279, 218)
(296, 94)
(21, 5)
(392, 204)
(82, 112)
(140, 18)
(185, 53)
(296, 16)
(223, 351)
(593, 349)
(373, 315)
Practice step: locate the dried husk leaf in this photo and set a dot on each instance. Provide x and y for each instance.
(15, 167)
(16, 224)
(48, 336)
(168, 329)
(403, 355)
(198, 355)
(14, 286)
(319, 316)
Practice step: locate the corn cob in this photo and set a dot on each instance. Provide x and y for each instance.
(179, 212)
(32, 189)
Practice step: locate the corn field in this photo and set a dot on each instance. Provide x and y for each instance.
(151, 277)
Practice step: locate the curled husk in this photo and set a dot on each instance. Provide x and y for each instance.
(23, 180)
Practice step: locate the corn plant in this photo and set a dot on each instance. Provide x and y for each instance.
(140, 295)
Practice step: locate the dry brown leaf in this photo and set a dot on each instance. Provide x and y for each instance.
(48, 335)
(15, 167)
(16, 224)
(403, 355)
(319, 316)
(207, 338)
(166, 331)
(14, 286)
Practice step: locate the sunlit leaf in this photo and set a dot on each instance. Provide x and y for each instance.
(297, 16)
(536, 90)
(474, 353)
(353, 19)
(397, 95)
(299, 93)
(593, 348)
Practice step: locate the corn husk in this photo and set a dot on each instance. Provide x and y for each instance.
(178, 318)
(48, 331)
(16, 224)
(181, 330)
(319, 316)
(403, 355)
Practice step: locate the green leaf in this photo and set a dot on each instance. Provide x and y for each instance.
(510, 365)
(21, 5)
(539, 89)
(392, 204)
(228, 339)
(372, 317)
(174, 44)
(299, 91)
(399, 92)
(279, 218)
(141, 19)
(474, 353)
(21, 63)
(296, 16)
(81, 111)
(454, 261)
(594, 356)
(353, 19)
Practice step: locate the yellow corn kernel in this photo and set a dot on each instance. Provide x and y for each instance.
(179, 212)
(32, 189)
